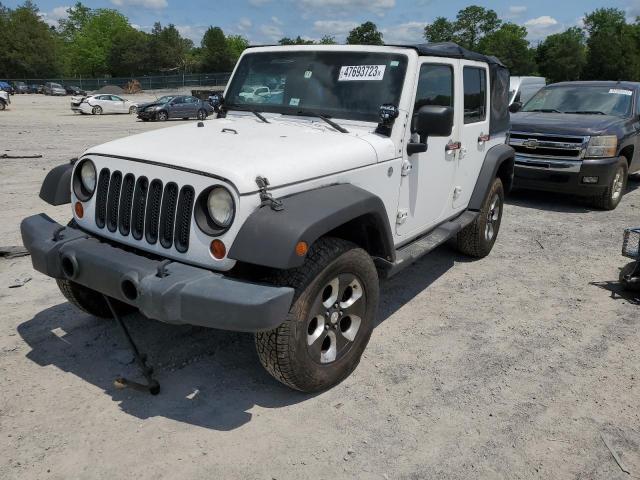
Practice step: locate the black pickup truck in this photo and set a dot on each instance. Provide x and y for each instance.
(581, 138)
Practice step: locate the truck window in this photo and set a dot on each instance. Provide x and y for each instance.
(435, 86)
(475, 94)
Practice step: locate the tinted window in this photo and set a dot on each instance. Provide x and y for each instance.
(435, 86)
(475, 94)
(583, 99)
(177, 100)
(190, 100)
(116, 99)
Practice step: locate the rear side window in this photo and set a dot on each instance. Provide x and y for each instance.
(475, 94)
(435, 86)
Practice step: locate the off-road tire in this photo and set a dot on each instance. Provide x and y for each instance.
(626, 270)
(283, 351)
(2, 105)
(472, 239)
(90, 301)
(607, 200)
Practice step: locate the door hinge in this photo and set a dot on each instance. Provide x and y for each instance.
(406, 168)
(402, 217)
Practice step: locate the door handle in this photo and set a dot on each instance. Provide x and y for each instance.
(484, 138)
(453, 146)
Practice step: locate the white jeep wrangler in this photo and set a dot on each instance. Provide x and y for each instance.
(280, 217)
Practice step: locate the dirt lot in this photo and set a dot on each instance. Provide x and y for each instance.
(512, 367)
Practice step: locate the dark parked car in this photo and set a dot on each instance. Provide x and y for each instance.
(35, 88)
(73, 90)
(175, 106)
(20, 87)
(6, 86)
(581, 138)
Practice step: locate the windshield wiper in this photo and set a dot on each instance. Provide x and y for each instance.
(545, 110)
(260, 116)
(309, 113)
(243, 109)
(588, 112)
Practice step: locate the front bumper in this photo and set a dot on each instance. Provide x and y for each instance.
(564, 176)
(147, 115)
(171, 292)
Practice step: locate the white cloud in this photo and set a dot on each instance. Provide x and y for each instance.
(244, 24)
(271, 33)
(541, 27)
(335, 28)
(378, 7)
(405, 33)
(276, 20)
(192, 32)
(151, 4)
(516, 11)
(52, 17)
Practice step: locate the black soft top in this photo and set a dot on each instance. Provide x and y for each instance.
(453, 50)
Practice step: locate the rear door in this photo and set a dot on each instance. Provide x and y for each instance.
(119, 105)
(191, 107)
(474, 130)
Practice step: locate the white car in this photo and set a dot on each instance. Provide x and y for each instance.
(103, 104)
(280, 219)
(255, 94)
(4, 99)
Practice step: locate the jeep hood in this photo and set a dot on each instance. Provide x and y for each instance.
(564, 124)
(240, 148)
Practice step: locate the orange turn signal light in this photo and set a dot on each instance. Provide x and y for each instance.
(301, 249)
(79, 209)
(218, 249)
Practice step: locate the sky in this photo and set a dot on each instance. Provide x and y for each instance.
(266, 21)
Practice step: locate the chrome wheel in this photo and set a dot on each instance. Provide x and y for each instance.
(618, 185)
(96, 110)
(493, 217)
(163, 116)
(335, 318)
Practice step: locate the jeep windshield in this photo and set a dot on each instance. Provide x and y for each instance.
(344, 85)
(580, 99)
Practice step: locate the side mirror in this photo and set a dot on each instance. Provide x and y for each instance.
(515, 107)
(216, 100)
(433, 121)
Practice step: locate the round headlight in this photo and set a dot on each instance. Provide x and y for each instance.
(84, 180)
(88, 176)
(220, 206)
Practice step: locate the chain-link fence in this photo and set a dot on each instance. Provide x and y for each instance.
(147, 82)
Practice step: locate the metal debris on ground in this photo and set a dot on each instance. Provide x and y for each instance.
(13, 252)
(20, 282)
(615, 455)
(4, 155)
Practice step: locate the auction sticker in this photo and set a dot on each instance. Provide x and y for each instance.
(618, 91)
(352, 73)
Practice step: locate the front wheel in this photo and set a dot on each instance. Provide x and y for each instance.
(330, 322)
(2, 105)
(477, 238)
(90, 301)
(162, 116)
(630, 277)
(614, 192)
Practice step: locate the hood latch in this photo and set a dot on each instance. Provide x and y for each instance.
(266, 197)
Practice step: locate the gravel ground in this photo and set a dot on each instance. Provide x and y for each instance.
(512, 367)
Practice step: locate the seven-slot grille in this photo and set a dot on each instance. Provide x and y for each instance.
(544, 145)
(145, 209)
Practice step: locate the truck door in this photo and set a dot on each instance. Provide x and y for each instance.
(474, 131)
(427, 178)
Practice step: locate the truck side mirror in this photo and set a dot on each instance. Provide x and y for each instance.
(515, 107)
(433, 121)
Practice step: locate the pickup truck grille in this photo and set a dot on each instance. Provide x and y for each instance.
(545, 145)
(145, 209)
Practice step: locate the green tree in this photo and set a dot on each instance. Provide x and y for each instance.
(28, 48)
(612, 46)
(77, 17)
(365, 34)
(295, 41)
(441, 30)
(167, 48)
(216, 54)
(473, 23)
(509, 43)
(328, 40)
(562, 57)
(236, 44)
(129, 53)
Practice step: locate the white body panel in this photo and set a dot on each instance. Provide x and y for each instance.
(302, 153)
(108, 103)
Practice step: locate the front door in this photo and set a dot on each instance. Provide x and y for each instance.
(426, 187)
(474, 131)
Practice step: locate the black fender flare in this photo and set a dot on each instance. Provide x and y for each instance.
(494, 160)
(269, 238)
(56, 187)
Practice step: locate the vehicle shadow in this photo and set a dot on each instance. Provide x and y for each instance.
(209, 378)
(618, 292)
(558, 202)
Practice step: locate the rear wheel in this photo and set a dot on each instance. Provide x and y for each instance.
(330, 322)
(97, 110)
(477, 238)
(162, 116)
(614, 192)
